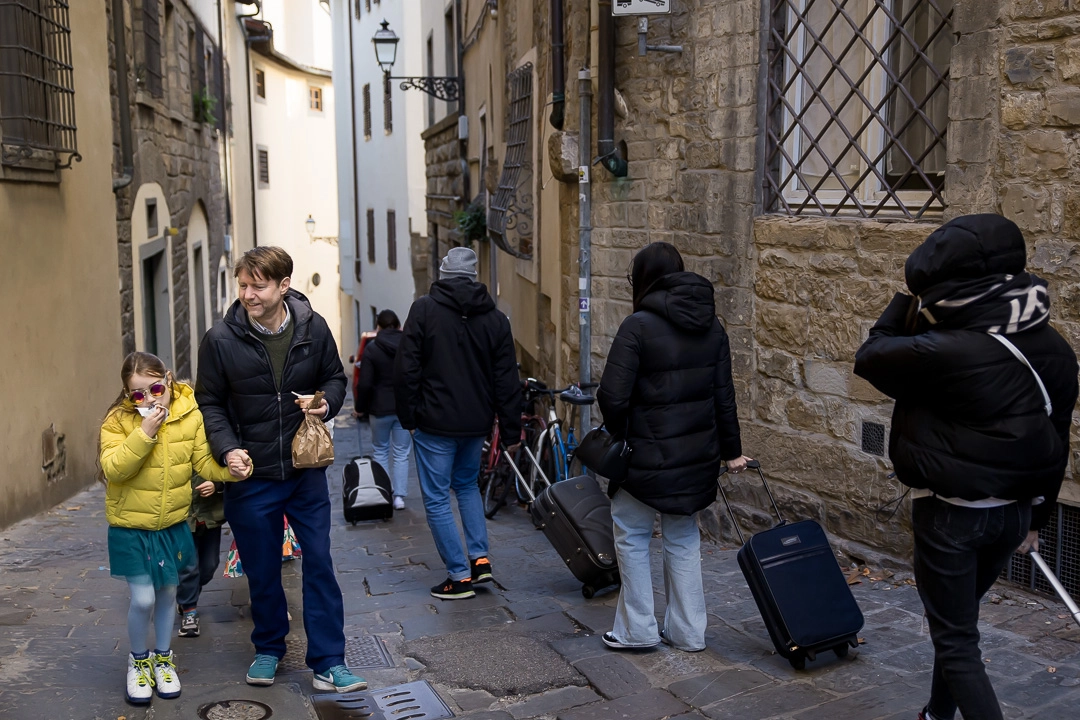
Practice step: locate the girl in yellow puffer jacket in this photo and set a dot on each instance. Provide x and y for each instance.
(152, 440)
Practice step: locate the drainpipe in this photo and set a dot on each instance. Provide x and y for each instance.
(224, 120)
(122, 98)
(355, 172)
(585, 237)
(251, 124)
(558, 62)
(609, 157)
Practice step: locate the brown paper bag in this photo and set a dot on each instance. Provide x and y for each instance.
(312, 447)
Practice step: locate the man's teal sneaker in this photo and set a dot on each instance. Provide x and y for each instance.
(262, 671)
(339, 678)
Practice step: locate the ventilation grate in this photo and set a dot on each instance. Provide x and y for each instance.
(411, 701)
(1059, 544)
(873, 438)
(365, 651)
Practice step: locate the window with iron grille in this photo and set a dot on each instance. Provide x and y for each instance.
(391, 239)
(1059, 545)
(260, 83)
(858, 107)
(510, 219)
(387, 108)
(37, 86)
(371, 235)
(367, 112)
(264, 167)
(151, 67)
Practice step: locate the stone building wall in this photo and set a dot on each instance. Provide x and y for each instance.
(175, 150)
(445, 191)
(797, 295)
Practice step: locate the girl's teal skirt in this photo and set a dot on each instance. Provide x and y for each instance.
(151, 556)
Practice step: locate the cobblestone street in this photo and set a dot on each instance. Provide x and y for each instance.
(528, 647)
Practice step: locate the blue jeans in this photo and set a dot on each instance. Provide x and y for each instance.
(959, 554)
(195, 576)
(445, 464)
(635, 619)
(386, 435)
(255, 510)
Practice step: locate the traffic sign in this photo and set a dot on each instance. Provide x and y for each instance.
(640, 7)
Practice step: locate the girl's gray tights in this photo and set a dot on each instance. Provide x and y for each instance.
(146, 601)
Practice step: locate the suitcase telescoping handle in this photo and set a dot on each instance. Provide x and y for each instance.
(1058, 587)
(752, 465)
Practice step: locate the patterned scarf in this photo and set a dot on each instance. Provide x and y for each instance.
(1000, 304)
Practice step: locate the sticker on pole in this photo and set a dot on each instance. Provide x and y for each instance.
(583, 304)
(640, 7)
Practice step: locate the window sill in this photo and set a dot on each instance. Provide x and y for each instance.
(22, 164)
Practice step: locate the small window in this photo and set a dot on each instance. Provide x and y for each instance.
(151, 66)
(391, 239)
(151, 218)
(367, 112)
(387, 108)
(315, 98)
(371, 235)
(264, 168)
(260, 83)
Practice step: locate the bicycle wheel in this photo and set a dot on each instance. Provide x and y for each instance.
(495, 492)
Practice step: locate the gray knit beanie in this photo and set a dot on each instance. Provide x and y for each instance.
(459, 262)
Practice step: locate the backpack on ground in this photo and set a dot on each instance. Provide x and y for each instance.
(365, 491)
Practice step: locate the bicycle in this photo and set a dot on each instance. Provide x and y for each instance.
(495, 474)
(554, 454)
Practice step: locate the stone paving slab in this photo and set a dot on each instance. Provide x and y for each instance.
(652, 704)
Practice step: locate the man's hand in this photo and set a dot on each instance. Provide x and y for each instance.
(321, 409)
(152, 422)
(512, 449)
(738, 464)
(1031, 542)
(239, 463)
(205, 489)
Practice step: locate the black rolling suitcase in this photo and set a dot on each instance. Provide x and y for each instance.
(799, 588)
(365, 491)
(575, 515)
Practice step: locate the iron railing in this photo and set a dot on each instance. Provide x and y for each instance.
(510, 218)
(858, 107)
(37, 85)
(1059, 544)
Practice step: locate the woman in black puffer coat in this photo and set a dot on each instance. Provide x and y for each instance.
(667, 389)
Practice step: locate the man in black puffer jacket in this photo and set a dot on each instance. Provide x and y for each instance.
(667, 388)
(270, 346)
(455, 372)
(973, 433)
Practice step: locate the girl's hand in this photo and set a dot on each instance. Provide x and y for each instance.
(205, 489)
(152, 422)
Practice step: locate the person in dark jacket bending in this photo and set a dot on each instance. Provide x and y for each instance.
(973, 434)
(375, 398)
(270, 345)
(667, 389)
(455, 372)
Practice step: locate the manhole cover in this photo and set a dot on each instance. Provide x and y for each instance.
(365, 651)
(235, 710)
(411, 701)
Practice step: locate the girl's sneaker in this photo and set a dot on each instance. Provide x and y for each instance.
(140, 680)
(166, 679)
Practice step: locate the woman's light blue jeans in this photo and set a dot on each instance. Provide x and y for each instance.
(386, 435)
(635, 619)
(445, 464)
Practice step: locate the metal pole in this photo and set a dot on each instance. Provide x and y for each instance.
(585, 238)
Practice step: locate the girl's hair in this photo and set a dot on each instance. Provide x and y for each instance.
(653, 262)
(388, 319)
(141, 363)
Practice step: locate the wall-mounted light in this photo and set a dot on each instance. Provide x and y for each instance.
(310, 225)
(385, 42)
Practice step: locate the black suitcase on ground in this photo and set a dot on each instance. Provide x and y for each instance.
(799, 588)
(575, 515)
(365, 491)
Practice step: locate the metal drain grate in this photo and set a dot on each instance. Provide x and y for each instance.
(411, 701)
(1059, 544)
(364, 651)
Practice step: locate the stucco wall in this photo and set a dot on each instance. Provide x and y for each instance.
(61, 363)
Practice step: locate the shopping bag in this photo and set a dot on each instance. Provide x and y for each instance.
(232, 563)
(290, 546)
(312, 447)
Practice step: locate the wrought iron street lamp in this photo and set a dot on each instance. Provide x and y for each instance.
(385, 42)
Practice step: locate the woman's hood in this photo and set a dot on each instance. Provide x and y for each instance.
(685, 299)
(970, 246)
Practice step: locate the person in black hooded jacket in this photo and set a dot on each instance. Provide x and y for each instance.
(667, 389)
(375, 398)
(455, 372)
(977, 433)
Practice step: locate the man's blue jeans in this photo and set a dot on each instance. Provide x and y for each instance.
(389, 438)
(255, 510)
(959, 554)
(445, 464)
